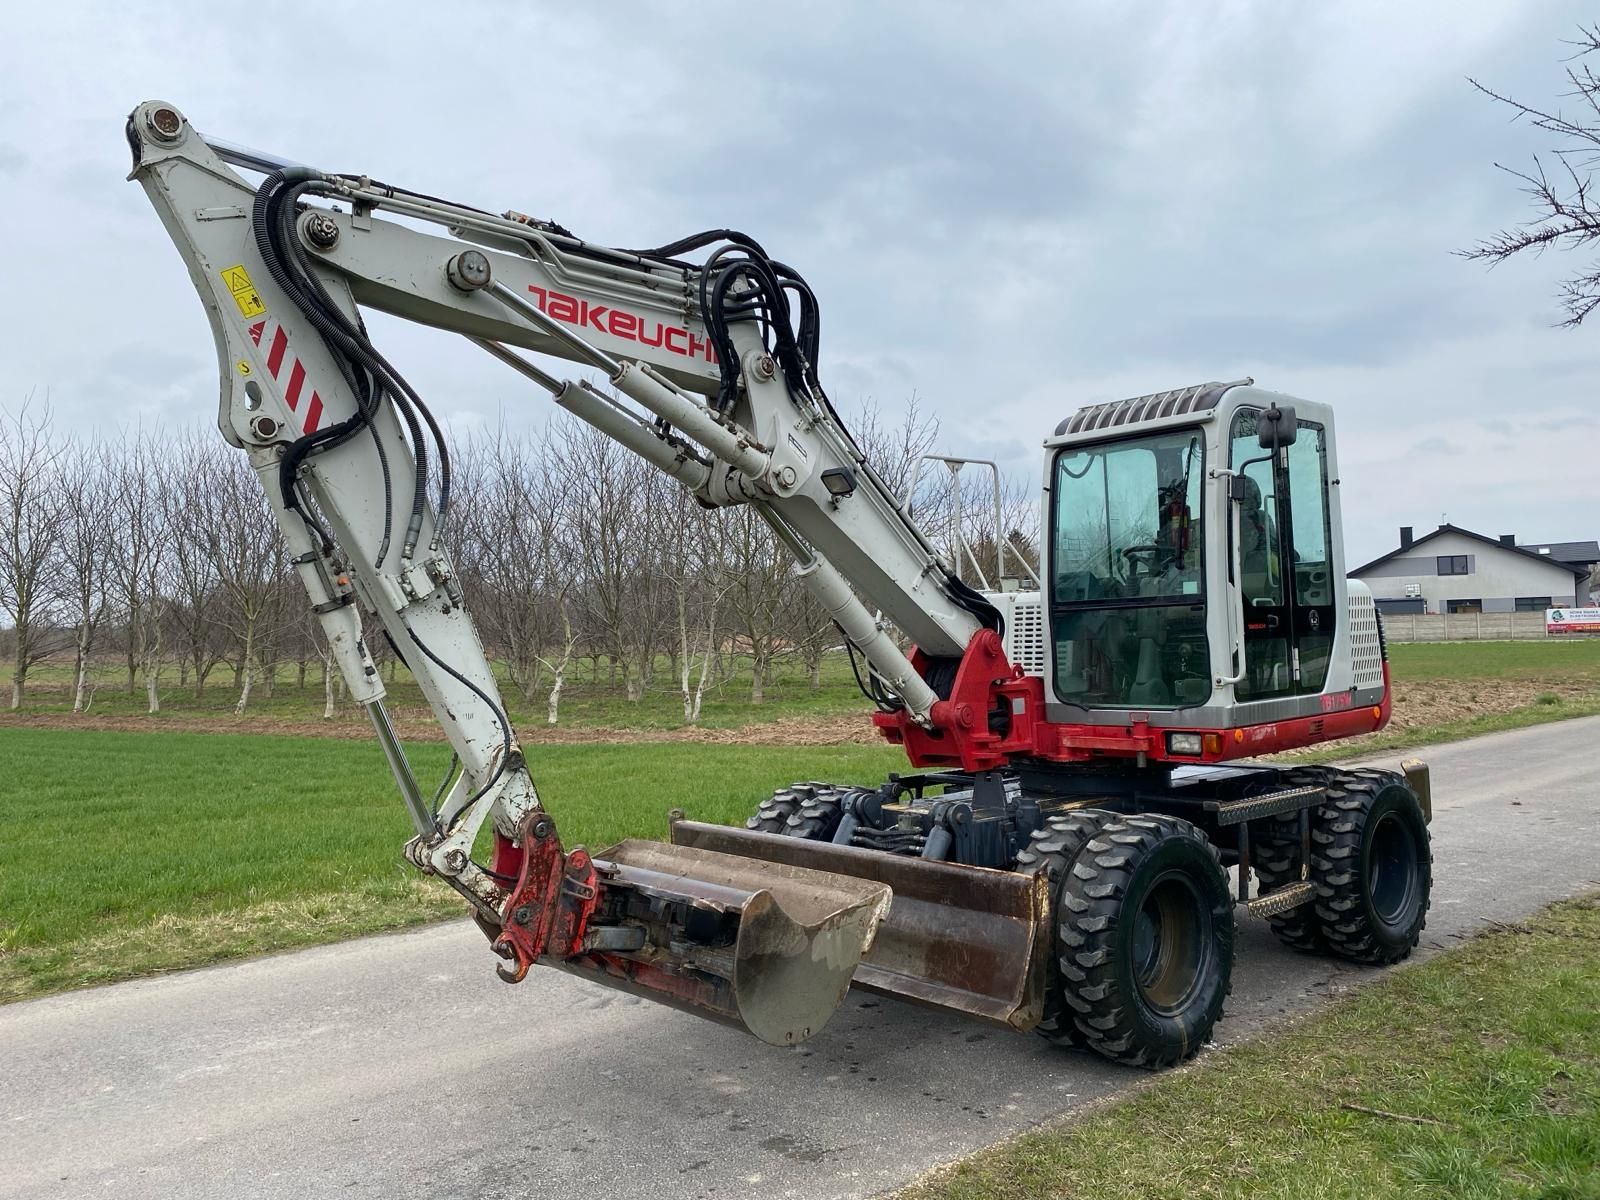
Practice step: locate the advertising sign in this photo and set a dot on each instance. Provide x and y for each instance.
(1572, 620)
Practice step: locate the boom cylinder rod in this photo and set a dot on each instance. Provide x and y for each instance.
(531, 313)
(396, 754)
(611, 420)
(648, 388)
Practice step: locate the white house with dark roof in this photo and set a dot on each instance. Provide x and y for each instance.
(1454, 570)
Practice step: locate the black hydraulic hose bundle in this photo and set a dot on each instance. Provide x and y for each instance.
(372, 379)
(370, 375)
(742, 259)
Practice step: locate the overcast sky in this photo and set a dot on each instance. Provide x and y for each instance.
(1009, 211)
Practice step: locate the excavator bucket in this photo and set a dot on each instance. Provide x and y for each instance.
(768, 946)
(957, 937)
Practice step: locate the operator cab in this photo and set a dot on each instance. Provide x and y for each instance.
(1195, 573)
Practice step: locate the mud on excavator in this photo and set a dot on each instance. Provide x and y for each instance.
(1082, 741)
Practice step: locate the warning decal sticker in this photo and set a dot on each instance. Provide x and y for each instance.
(243, 291)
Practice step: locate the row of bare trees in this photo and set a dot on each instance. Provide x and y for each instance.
(157, 551)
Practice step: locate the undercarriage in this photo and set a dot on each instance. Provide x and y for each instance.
(1106, 913)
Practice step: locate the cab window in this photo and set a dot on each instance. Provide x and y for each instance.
(1127, 585)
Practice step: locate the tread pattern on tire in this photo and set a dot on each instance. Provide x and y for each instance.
(1275, 857)
(775, 811)
(808, 810)
(1091, 903)
(817, 816)
(1336, 834)
(1050, 852)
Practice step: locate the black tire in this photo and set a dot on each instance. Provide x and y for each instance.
(1050, 852)
(817, 817)
(1146, 926)
(1276, 856)
(1372, 867)
(774, 813)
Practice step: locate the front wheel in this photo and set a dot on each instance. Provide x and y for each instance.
(1145, 928)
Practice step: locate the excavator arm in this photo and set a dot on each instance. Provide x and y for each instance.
(709, 375)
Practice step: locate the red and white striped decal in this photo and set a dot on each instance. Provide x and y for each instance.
(288, 370)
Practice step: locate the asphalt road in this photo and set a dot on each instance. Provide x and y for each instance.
(400, 1066)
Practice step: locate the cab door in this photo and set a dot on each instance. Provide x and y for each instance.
(1284, 559)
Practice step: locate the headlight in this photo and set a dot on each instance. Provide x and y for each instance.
(1183, 743)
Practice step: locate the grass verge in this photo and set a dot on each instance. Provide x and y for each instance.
(1474, 1075)
(132, 853)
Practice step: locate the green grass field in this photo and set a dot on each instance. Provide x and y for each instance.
(1532, 661)
(1470, 1077)
(133, 852)
(141, 851)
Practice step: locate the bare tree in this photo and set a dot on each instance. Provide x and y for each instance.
(184, 507)
(607, 495)
(756, 574)
(1567, 215)
(32, 514)
(510, 549)
(85, 541)
(242, 539)
(140, 468)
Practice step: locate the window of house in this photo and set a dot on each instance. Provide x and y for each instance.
(1464, 606)
(1533, 603)
(1453, 564)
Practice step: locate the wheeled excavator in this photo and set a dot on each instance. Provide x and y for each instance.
(1083, 743)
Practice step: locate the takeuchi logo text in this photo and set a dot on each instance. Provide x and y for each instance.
(603, 318)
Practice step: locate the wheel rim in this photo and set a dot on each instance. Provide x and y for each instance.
(1392, 870)
(1171, 943)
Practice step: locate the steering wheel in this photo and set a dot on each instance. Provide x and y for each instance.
(1141, 565)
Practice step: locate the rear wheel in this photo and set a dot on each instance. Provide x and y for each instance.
(1372, 867)
(802, 810)
(1278, 857)
(1146, 932)
(775, 811)
(817, 818)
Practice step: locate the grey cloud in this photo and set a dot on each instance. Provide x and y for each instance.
(1008, 214)
(1437, 446)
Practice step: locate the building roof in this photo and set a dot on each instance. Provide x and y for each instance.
(1549, 560)
(1576, 553)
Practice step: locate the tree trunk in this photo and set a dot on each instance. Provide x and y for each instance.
(245, 668)
(682, 660)
(758, 680)
(815, 670)
(560, 669)
(300, 675)
(553, 708)
(151, 695)
(327, 691)
(80, 674)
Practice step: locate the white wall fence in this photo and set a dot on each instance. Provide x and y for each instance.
(1467, 627)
